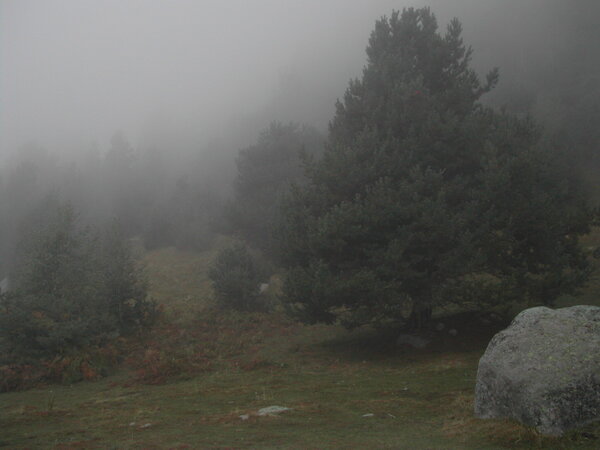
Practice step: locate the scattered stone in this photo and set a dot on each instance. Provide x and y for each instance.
(146, 425)
(412, 340)
(369, 415)
(453, 332)
(272, 410)
(245, 416)
(439, 326)
(4, 284)
(543, 370)
(132, 424)
(263, 288)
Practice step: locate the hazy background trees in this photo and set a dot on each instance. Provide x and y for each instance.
(549, 70)
(196, 155)
(265, 171)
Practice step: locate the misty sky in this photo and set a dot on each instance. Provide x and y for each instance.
(80, 69)
(74, 71)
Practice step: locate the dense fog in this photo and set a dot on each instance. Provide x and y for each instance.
(223, 211)
(138, 109)
(74, 72)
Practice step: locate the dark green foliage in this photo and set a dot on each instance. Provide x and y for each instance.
(424, 197)
(186, 219)
(265, 171)
(124, 285)
(71, 289)
(236, 276)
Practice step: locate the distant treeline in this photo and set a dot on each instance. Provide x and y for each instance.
(419, 195)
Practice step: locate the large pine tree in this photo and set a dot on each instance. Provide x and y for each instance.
(424, 197)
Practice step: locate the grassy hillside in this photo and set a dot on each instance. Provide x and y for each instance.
(186, 384)
(178, 280)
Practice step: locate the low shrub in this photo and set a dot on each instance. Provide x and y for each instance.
(89, 365)
(236, 276)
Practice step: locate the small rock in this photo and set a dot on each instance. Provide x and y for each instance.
(4, 284)
(146, 425)
(272, 410)
(453, 332)
(262, 288)
(439, 326)
(132, 424)
(245, 416)
(369, 415)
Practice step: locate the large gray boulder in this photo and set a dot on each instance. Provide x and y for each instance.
(543, 370)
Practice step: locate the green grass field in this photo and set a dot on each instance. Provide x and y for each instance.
(188, 381)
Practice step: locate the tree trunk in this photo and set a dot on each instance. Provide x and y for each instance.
(420, 316)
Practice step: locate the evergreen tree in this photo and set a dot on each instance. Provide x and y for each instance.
(424, 197)
(236, 276)
(186, 218)
(122, 180)
(70, 288)
(265, 171)
(124, 286)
